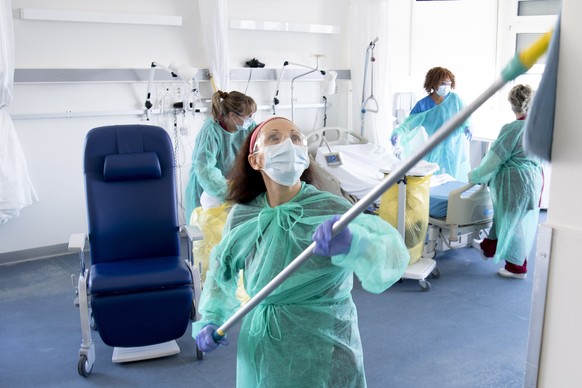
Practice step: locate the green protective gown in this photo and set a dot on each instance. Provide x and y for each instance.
(212, 158)
(515, 182)
(305, 333)
(452, 154)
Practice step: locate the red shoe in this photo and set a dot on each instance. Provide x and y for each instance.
(486, 247)
(506, 274)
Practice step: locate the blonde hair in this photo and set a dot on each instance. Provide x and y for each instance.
(223, 103)
(520, 97)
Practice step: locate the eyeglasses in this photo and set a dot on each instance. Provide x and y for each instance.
(274, 137)
(245, 118)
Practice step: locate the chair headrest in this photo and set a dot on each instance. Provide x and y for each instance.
(131, 166)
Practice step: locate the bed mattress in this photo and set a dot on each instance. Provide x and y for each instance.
(439, 197)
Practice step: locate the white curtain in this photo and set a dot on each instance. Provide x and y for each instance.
(214, 23)
(16, 190)
(368, 21)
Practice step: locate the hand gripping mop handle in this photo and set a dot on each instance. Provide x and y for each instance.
(519, 65)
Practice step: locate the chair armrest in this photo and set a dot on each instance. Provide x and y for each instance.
(193, 232)
(77, 242)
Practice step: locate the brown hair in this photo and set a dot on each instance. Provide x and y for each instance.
(435, 76)
(520, 98)
(245, 183)
(223, 103)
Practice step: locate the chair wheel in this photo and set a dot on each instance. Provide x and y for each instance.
(193, 312)
(83, 365)
(92, 322)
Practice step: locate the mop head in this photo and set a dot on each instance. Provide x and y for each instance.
(539, 125)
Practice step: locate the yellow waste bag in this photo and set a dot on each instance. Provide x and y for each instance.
(416, 216)
(211, 223)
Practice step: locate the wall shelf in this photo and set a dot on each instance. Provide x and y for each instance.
(241, 24)
(60, 15)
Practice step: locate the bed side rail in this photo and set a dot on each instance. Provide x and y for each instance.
(468, 206)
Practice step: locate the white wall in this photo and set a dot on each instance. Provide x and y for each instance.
(562, 338)
(458, 34)
(53, 146)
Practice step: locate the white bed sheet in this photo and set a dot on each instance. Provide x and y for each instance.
(360, 168)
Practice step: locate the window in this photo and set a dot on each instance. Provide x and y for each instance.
(538, 7)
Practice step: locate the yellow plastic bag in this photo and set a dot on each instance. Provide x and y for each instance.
(416, 217)
(211, 222)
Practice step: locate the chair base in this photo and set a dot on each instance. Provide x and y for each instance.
(165, 349)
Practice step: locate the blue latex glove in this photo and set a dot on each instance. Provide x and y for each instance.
(394, 140)
(204, 339)
(328, 247)
(468, 133)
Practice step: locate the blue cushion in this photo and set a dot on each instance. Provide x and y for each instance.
(138, 275)
(134, 166)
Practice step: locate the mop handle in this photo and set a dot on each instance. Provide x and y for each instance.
(515, 68)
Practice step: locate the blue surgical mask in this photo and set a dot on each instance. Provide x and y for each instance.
(245, 125)
(285, 162)
(444, 90)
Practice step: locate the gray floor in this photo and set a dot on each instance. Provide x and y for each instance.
(469, 330)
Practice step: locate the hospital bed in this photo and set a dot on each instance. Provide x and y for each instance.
(361, 166)
(332, 136)
(459, 212)
(339, 152)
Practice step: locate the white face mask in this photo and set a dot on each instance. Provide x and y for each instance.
(444, 90)
(285, 162)
(246, 124)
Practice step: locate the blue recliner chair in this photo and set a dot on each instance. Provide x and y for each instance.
(137, 292)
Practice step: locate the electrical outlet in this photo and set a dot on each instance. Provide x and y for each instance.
(178, 92)
(341, 87)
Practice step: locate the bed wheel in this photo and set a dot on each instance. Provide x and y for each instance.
(424, 285)
(429, 250)
(429, 255)
(436, 274)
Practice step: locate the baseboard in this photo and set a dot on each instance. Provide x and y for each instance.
(33, 254)
(52, 251)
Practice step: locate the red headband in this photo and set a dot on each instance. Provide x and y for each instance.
(256, 131)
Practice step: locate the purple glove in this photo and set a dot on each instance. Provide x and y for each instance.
(204, 339)
(328, 247)
(394, 140)
(468, 133)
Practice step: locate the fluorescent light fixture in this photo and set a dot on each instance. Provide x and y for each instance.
(98, 17)
(239, 24)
